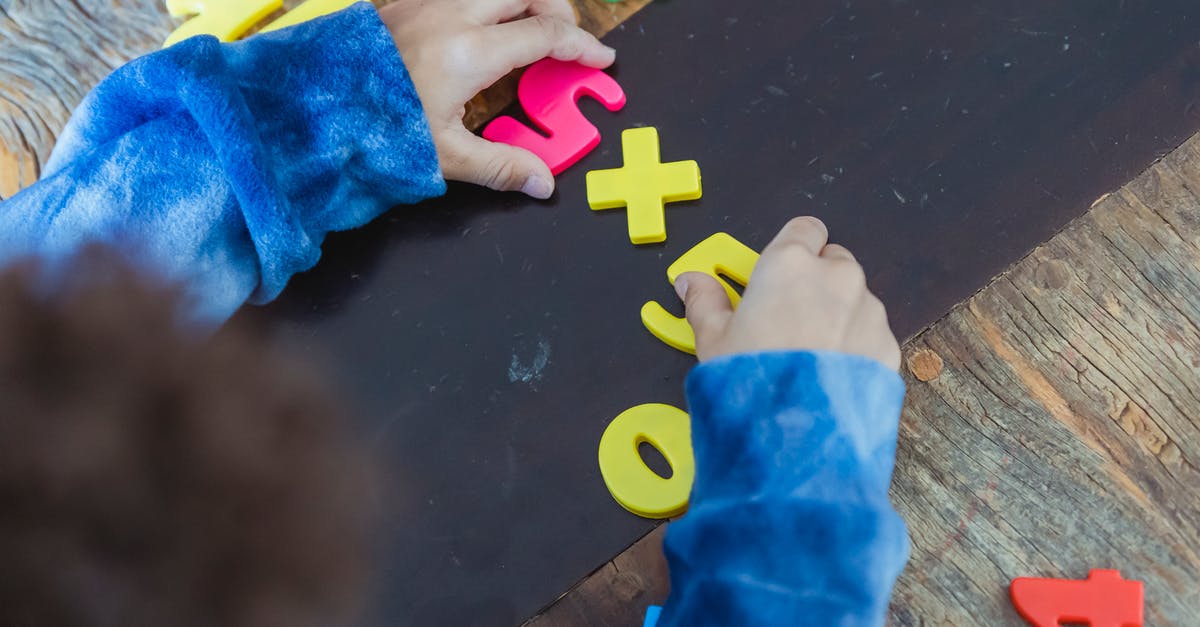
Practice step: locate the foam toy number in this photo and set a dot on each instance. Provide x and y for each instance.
(1102, 600)
(633, 484)
(549, 92)
(308, 10)
(228, 20)
(643, 185)
(720, 256)
(225, 19)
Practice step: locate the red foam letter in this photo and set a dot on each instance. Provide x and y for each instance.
(1103, 600)
(548, 91)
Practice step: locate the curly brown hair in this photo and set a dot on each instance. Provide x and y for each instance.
(152, 476)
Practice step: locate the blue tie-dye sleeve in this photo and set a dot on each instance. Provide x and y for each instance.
(223, 166)
(790, 522)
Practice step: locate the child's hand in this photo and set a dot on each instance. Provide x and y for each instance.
(456, 48)
(804, 294)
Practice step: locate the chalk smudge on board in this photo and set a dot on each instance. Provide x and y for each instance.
(520, 372)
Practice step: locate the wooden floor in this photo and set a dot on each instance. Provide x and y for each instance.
(1051, 424)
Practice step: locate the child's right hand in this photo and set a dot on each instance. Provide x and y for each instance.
(805, 294)
(454, 49)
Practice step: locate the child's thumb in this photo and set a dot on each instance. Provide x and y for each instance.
(498, 166)
(708, 306)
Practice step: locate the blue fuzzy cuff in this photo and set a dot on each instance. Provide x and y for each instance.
(790, 521)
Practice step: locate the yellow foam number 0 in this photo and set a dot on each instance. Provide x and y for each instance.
(633, 484)
(228, 20)
(720, 254)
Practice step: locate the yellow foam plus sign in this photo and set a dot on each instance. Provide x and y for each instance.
(643, 185)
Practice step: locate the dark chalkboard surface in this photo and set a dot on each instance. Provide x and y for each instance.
(486, 340)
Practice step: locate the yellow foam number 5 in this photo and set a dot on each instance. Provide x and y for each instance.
(718, 255)
(633, 484)
(225, 19)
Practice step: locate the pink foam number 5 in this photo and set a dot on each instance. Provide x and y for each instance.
(549, 91)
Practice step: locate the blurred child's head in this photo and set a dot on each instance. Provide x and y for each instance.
(153, 477)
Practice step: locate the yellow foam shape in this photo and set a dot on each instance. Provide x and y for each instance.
(309, 10)
(633, 484)
(675, 332)
(643, 185)
(225, 19)
(719, 256)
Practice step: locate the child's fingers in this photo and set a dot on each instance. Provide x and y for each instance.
(835, 252)
(496, 166)
(495, 11)
(876, 338)
(806, 232)
(708, 306)
(561, 9)
(516, 44)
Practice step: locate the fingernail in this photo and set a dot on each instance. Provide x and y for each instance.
(538, 187)
(681, 287)
(611, 49)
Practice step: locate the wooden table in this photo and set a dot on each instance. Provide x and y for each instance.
(1051, 419)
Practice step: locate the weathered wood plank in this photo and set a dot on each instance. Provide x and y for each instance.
(1051, 426)
(52, 52)
(616, 594)
(1061, 434)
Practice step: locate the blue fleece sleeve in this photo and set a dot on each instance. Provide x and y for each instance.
(223, 166)
(790, 522)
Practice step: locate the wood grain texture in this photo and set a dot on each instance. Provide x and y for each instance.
(52, 52)
(616, 594)
(1052, 425)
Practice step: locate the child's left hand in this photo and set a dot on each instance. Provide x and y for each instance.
(456, 48)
